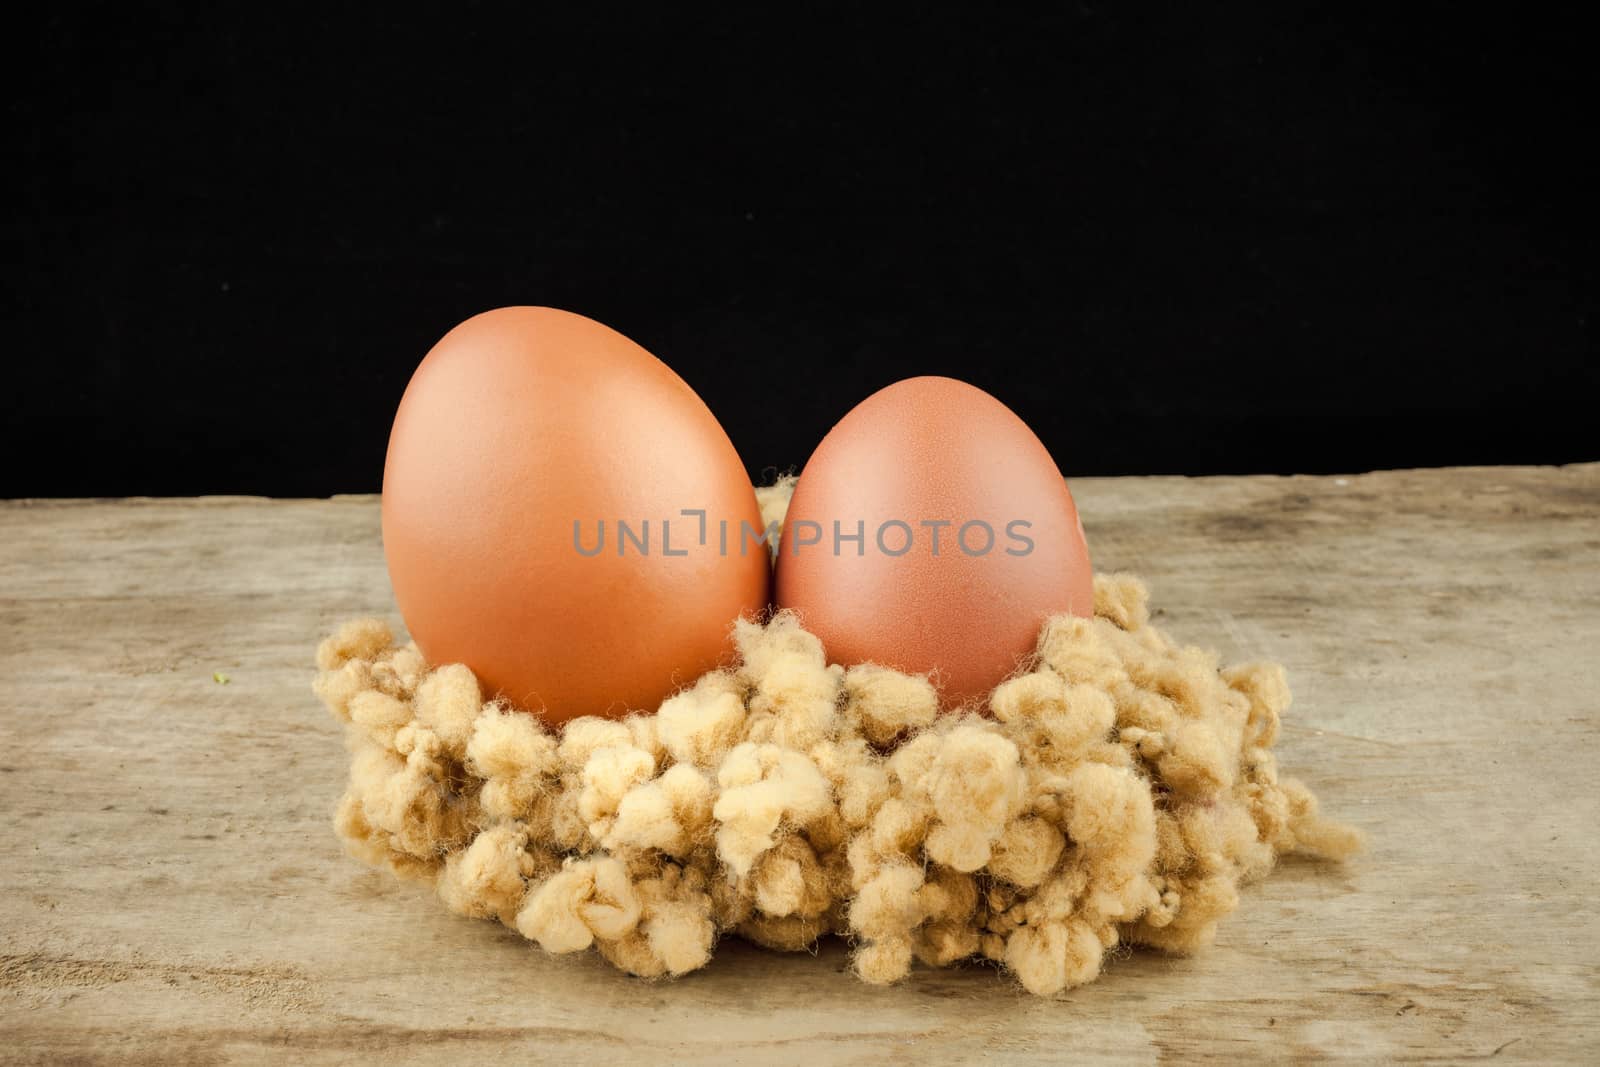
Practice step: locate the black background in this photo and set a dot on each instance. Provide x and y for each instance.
(1255, 238)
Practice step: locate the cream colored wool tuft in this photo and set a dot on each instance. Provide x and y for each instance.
(1120, 790)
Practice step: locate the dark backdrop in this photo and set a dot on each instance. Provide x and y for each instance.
(1271, 237)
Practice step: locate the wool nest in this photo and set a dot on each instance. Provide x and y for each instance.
(1119, 789)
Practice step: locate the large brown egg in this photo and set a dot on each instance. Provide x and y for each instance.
(941, 536)
(534, 516)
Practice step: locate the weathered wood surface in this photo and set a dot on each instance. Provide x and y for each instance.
(173, 891)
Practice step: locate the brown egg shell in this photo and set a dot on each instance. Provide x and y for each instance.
(519, 423)
(927, 450)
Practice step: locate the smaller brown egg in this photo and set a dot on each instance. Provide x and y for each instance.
(932, 532)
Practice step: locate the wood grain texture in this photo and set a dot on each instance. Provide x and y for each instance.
(173, 891)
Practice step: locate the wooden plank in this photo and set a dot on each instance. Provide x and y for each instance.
(173, 891)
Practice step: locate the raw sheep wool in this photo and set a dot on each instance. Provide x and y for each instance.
(1119, 789)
